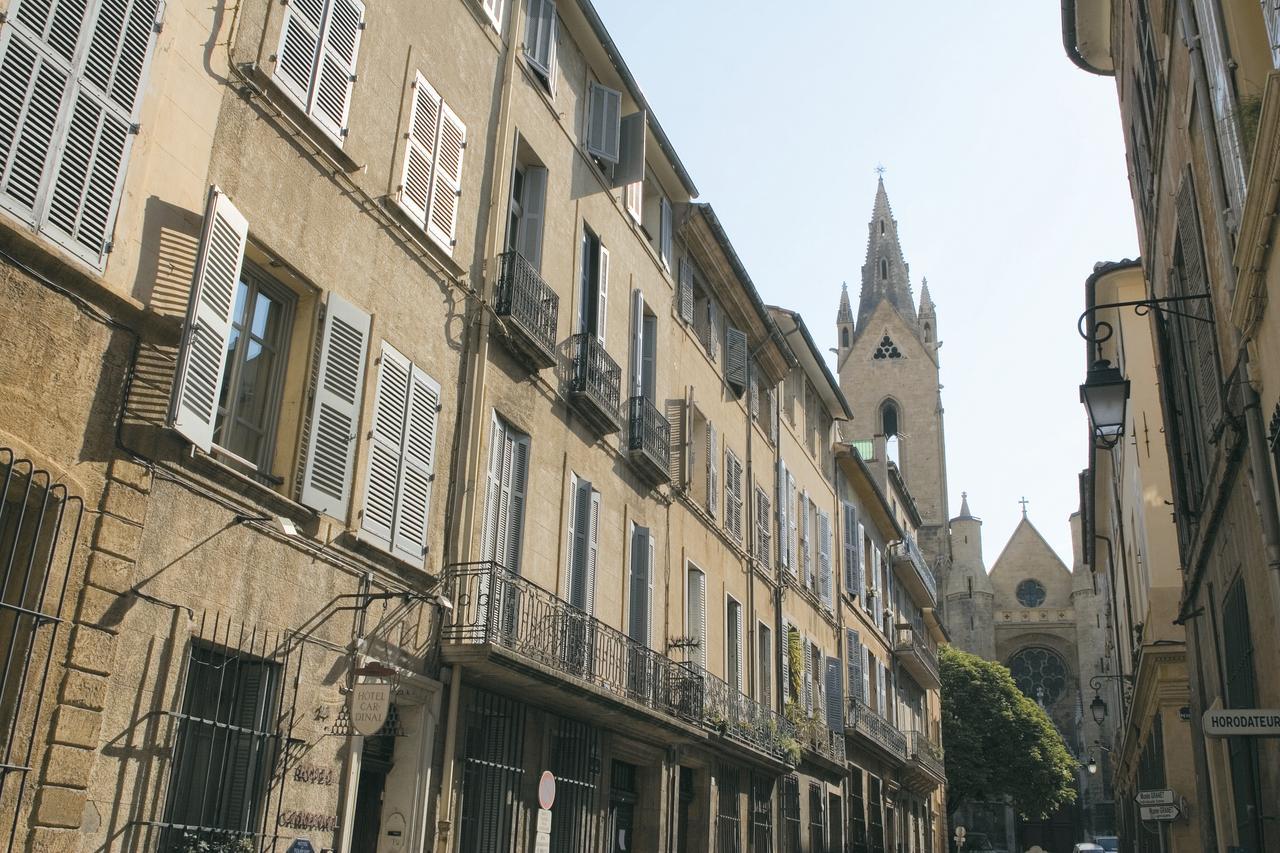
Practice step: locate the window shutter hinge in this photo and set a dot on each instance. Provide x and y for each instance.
(352, 78)
(135, 129)
(343, 132)
(360, 26)
(108, 246)
(159, 26)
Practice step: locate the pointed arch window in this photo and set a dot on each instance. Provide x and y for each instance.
(881, 226)
(887, 349)
(889, 419)
(844, 338)
(928, 333)
(884, 269)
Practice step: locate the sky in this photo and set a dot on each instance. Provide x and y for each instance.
(1004, 164)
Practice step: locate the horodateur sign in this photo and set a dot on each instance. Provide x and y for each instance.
(1242, 722)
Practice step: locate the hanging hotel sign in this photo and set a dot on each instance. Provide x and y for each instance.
(1242, 722)
(371, 699)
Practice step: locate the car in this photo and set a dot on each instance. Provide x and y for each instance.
(1087, 847)
(1109, 843)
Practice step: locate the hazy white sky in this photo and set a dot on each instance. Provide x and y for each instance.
(1004, 165)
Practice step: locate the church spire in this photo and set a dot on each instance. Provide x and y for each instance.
(845, 314)
(885, 274)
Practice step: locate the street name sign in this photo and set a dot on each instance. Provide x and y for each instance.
(1242, 722)
(1156, 798)
(1160, 813)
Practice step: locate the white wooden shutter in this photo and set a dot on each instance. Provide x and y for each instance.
(493, 9)
(391, 403)
(446, 182)
(866, 675)
(417, 466)
(336, 72)
(824, 559)
(576, 584)
(532, 209)
(648, 607)
(702, 619)
(737, 640)
(713, 329)
(335, 412)
(764, 524)
(849, 550)
(637, 343)
(677, 453)
(638, 623)
(604, 117)
(633, 199)
(713, 472)
(540, 36)
(806, 545)
(296, 54)
(685, 295)
(735, 359)
(792, 534)
(784, 523)
(665, 232)
(859, 567)
(198, 383)
(419, 154)
(602, 293)
(517, 483)
(505, 494)
(630, 168)
(493, 489)
(593, 552)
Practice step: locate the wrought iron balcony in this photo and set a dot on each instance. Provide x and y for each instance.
(741, 718)
(876, 729)
(926, 765)
(648, 440)
(918, 654)
(593, 381)
(917, 575)
(817, 738)
(494, 607)
(529, 309)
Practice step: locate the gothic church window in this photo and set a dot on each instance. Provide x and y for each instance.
(844, 338)
(1039, 673)
(1030, 593)
(887, 349)
(889, 419)
(884, 268)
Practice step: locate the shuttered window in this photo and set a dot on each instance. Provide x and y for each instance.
(733, 498)
(684, 291)
(540, 39)
(806, 543)
(665, 229)
(853, 656)
(641, 590)
(825, 580)
(735, 359)
(764, 654)
(696, 614)
(401, 460)
(792, 534)
(431, 175)
(584, 544)
(335, 413)
(713, 469)
(851, 541)
(71, 80)
(788, 695)
(784, 522)
(316, 59)
(764, 526)
(604, 122)
(505, 494)
(835, 695)
(493, 10)
(733, 645)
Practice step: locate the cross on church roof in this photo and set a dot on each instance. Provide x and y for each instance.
(880, 169)
(1024, 503)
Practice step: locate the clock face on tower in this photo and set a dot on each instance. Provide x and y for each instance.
(1030, 593)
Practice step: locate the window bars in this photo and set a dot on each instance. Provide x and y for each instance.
(493, 773)
(39, 525)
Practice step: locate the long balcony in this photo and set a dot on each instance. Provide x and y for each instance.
(926, 767)
(736, 716)
(529, 309)
(917, 576)
(648, 440)
(918, 654)
(593, 381)
(876, 730)
(820, 742)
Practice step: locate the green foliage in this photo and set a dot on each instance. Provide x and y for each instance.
(196, 844)
(795, 654)
(999, 743)
(1249, 112)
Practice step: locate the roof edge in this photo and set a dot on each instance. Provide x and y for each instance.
(1070, 42)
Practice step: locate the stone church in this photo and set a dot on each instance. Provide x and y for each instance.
(1043, 620)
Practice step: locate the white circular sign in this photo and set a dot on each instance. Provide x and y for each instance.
(546, 789)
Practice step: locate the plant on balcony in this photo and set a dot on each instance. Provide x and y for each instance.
(1000, 743)
(795, 657)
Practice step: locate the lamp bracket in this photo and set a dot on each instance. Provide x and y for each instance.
(1103, 330)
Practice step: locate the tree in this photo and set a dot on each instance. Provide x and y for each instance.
(999, 743)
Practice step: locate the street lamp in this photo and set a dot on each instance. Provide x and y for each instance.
(1092, 765)
(1104, 394)
(1098, 707)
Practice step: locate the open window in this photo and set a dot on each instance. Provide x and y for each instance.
(526, 207)
(540, 41)
(593, 299)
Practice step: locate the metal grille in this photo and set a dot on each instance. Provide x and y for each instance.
(728, 819)
(817, 836)
(575, 761)
(791, 814)
(39, 523)
(761, 814)
(1241, 693)
(857, 813)
(875, 817)
(623, 795)
(493, 769)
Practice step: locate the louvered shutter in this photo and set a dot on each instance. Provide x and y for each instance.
(419, 154)
(735, 359)
(664, 232)
(604, 115)
(858, 551)
(753, 390)
(835, 696)
(824, 558)
(637, 343)
(630, 169)
(516, 485)
(1202, 343)
(417, 467)
(700, 615)
(784, 524)
(579, 543)
(391, 404)
(493, 9)
(685, 291)
(593, 551)
(493, 490)
(742, 661)
(806, 543)
(850, 541)
(853, 655)
(785, 650)
(335, 412)
(202, 358)
(792, 534)
(540, 36)
(339, 45)
(713, 472)
(764, 522)
(808, 676)
(648, 607)
(764, 651)
(33, 85)
(532, 209)
(296, 54)
(676, 412)
(641, 558)
(602, 313)
(866, 675)
(251, 697)
(713, 329)
(446, 182)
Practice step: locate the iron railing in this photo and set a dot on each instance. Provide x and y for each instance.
(927, 753)
(595, 379)
(527, 302)
(739, 717)
(649, 435)
(491, 605)
(816, 737)
(914, 641)
(906, 550)
(876, 728)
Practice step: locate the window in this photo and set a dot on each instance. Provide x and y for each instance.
(492, 769)
(633, 200)
(826, 582)
(706, 317)
(540, 40)
(763, 402)
(791, 814)
(806, 550)
(624, 794)
(644, 348)
(253, 373)
(1241, 692)
(1039, 673)
(225, 747)
(733, 668)
(784, 518)
(493, 10)
(505, 494)
(817, 824)
(707, 485)
(1030, 593)
(695, 617)
(431, 178)
(685, 299)
(639, 624)
(401, 464)
(593, 303)
(736, 359)
(886, 349)
(64, 176)
(853, 654)
(764, 527)
(811, 420)
(316, 60)
(764, 654)
(852, 549)
(665, 227)
(604, 120)
(844, 338)
(792, 388)
(526, 208)
(728, 812)
(884, 269)
(584, 541)
(575, 761)
(733, 498)
(761, 814)
(857, 811)
(875, 816)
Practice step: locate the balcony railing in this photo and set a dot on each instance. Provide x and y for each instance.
(529, 307)
(493, 606)
(739, 717)
(923, 751)
(817, 738)
(916, 651)
(877, 729)
(594, 380)
(648, 438)
(906, 551)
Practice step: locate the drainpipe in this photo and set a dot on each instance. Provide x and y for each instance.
(444, 821)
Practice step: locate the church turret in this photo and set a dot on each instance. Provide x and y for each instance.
(844, 322)
(885, 273)
(969, 608)
(928, 317)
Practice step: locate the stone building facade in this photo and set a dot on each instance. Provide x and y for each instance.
(1198, 91)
